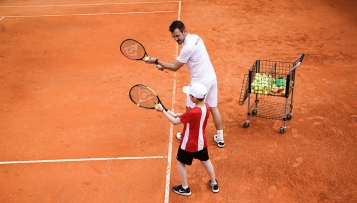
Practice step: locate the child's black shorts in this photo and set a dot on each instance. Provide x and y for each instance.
(187, 157)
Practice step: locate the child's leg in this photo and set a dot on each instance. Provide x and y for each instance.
(209, 168)
(182, 172)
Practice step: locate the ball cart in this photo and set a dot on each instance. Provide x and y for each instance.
(272, 84)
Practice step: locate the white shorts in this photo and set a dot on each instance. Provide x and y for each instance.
(211, 97)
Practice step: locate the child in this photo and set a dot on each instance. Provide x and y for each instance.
(193, 143)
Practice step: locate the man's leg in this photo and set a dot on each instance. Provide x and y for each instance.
(217, 119)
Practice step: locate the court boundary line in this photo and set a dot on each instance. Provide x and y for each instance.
(169, 154)
(80, 160)
(89, 14)
(98, 4)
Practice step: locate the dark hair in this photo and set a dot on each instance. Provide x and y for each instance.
(177, 25)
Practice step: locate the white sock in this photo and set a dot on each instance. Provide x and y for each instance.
(220, 135)
(185, 187)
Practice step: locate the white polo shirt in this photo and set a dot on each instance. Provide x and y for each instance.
(194, 54)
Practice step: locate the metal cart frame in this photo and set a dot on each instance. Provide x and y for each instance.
(277, 73)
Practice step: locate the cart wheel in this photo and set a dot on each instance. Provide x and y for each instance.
(289, 116)
(246, 125)
(254, 112)
(282, 129)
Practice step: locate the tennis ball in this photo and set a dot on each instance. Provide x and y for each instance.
(274, 89)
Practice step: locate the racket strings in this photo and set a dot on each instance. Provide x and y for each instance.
(132, 49)
(144, 97)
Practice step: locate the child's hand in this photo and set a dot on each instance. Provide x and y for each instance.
(158, 107)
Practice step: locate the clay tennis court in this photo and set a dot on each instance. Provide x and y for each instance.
(69, 132)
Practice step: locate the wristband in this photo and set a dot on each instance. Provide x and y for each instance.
(157, 62)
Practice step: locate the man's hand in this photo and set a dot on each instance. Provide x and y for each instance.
(159, 67)
(150, 60)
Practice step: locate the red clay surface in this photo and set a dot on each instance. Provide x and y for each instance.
(64, 95)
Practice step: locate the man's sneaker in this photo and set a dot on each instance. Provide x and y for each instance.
(179, 190)
(220, 143)
(178, 136)
(215, 187)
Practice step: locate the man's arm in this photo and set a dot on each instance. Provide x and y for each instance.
(174, 66)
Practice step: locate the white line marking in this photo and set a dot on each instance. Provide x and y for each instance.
(90, 14)
(169, 154)
(68, 5)
(2, 18)
(179, 14)
(80, 160)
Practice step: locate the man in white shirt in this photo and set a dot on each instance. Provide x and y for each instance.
(194, 54)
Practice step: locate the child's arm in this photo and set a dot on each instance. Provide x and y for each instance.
(171, 116)
(178, 114)
(172, 113)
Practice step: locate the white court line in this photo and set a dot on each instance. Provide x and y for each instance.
(91, 14)
(169, 154)
(80, 160)
(103, 4)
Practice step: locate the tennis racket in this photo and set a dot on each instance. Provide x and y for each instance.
(145, 97)
(133, 49)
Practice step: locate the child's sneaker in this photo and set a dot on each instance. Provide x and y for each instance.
(179, 190)
(215, 187)
(220, 143)
(178, 136)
